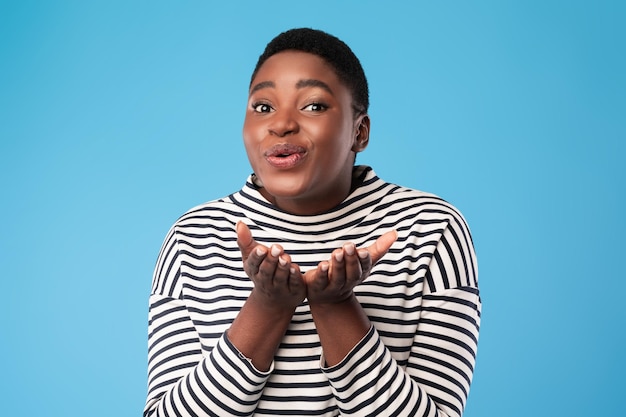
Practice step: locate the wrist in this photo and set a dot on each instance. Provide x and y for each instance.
(347, 312)
(269, 309)
(340, 327)
(328, 307)
(258, 329)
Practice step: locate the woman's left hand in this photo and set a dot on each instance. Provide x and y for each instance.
(333, 280)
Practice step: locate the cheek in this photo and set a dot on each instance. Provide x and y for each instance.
(250, 143)
(324, 134)
(336, 135)
(251, 134)
(247, 127)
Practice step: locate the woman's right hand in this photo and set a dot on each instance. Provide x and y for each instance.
(277, 281)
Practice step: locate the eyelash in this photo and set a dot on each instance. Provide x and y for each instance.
(321, 107)
(262, 107)
(256, 106)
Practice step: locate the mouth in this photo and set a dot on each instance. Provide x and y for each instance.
(285, 155)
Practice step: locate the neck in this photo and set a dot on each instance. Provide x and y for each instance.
(303, 205)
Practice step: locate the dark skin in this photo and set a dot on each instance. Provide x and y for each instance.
(279, 287)
(298, 100)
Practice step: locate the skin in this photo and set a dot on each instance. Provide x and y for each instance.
(297, 99)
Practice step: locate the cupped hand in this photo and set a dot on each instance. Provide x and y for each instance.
(277, 281)
(333, 280)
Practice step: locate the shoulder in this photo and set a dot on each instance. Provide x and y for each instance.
(210, 213)
(423, 204)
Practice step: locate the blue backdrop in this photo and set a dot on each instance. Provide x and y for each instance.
(117, 116)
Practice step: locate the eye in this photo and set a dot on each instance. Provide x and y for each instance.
(315, 107)
(262, 108)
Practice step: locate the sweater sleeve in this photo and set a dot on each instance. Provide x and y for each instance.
(182, 379)
(436, 379)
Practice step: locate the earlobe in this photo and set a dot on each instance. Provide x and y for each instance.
(362, 134)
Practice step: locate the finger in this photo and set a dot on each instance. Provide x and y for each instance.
(268, 268)
(317, 279)
(252, 263)
(337, 269)
(252, 253)
(296, 280)
(282, 272)
(382, 245)
(365, 261)
(245, 241)
(352, 265)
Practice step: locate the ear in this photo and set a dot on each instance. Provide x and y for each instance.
(361, 133)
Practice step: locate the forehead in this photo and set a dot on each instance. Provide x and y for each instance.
(293, 66)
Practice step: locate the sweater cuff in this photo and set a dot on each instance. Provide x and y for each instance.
(353, 357)
(244, 364)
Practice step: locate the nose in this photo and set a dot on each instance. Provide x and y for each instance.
(283, 123)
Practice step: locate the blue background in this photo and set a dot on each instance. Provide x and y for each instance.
(116, 117)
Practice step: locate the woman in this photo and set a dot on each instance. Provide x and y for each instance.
(318, 289)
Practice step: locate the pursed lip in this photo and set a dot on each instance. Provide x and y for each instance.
(285, 155)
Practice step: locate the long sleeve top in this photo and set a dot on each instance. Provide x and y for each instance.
(422, 299)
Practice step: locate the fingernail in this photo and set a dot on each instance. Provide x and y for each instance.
(349, 248)
(292, 270)
(324, 266)
(282, 261)
(339, 256)
(260, 251)
(363, 254)
(275, 250)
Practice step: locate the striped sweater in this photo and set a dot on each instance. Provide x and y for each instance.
(422, 300)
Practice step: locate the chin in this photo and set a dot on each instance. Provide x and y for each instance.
(286, 183)
(281, 190)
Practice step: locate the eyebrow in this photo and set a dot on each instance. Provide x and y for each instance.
(300, 84)
(261, 85)
(313, 83)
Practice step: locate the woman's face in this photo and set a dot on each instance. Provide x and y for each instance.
(300, 133)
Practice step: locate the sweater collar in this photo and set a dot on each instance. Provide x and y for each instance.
(329, 225)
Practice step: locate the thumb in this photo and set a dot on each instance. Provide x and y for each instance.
(382, 245)
(245, 241)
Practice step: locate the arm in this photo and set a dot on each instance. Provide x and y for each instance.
(227, 381)
(183, 382)
(339, 318)
(278, 290)
(435, 382)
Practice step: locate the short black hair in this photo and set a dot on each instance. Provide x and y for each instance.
(332, 50)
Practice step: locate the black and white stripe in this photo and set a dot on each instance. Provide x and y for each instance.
(422, 299)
